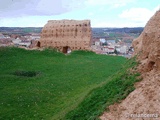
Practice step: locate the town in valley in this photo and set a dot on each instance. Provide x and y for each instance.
(112, 41)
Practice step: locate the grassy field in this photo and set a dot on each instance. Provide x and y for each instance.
(115, 89)
(50, 85)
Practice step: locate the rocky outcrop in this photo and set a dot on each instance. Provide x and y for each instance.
(64, 34)
(143, 103)
(147, 45)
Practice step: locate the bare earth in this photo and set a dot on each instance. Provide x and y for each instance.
(144, 102)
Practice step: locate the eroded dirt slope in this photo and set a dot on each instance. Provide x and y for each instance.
(145, 99)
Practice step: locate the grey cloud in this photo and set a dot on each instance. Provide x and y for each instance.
(17, 8)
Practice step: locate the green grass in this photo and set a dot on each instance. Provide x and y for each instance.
(48, 84)
(115, 89)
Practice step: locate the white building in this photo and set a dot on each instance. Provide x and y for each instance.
(19, 42)
(25, 43)
(102, 40)
(108, 49)
(16, 41)
(97, 43)
(118, 48)
(123, 49)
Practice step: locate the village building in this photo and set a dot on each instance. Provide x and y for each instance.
(35, 36)
(109, 49)
(25, 43)
(123, 49)
(20, 42)
(111, 42)
(5, 42)
(97, 42)
(1, 36)
(16, 41)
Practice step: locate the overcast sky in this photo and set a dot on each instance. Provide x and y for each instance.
(102, 13)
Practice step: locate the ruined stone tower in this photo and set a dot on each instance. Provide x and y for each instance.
(66, 34)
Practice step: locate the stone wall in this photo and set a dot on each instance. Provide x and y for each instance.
(64, 34)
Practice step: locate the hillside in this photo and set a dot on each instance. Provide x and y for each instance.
(48, 84)
(144, 101)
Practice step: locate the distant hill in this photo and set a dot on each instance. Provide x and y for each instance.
(20, 30)
(125, 29)
(38, 29)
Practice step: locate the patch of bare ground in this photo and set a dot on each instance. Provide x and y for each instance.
(145, 99)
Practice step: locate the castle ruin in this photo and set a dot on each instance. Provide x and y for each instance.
(66, 35)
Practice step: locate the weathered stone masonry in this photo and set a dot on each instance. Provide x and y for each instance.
(64, 34)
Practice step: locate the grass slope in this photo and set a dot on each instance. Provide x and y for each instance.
(114, 90)
(47, 84)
